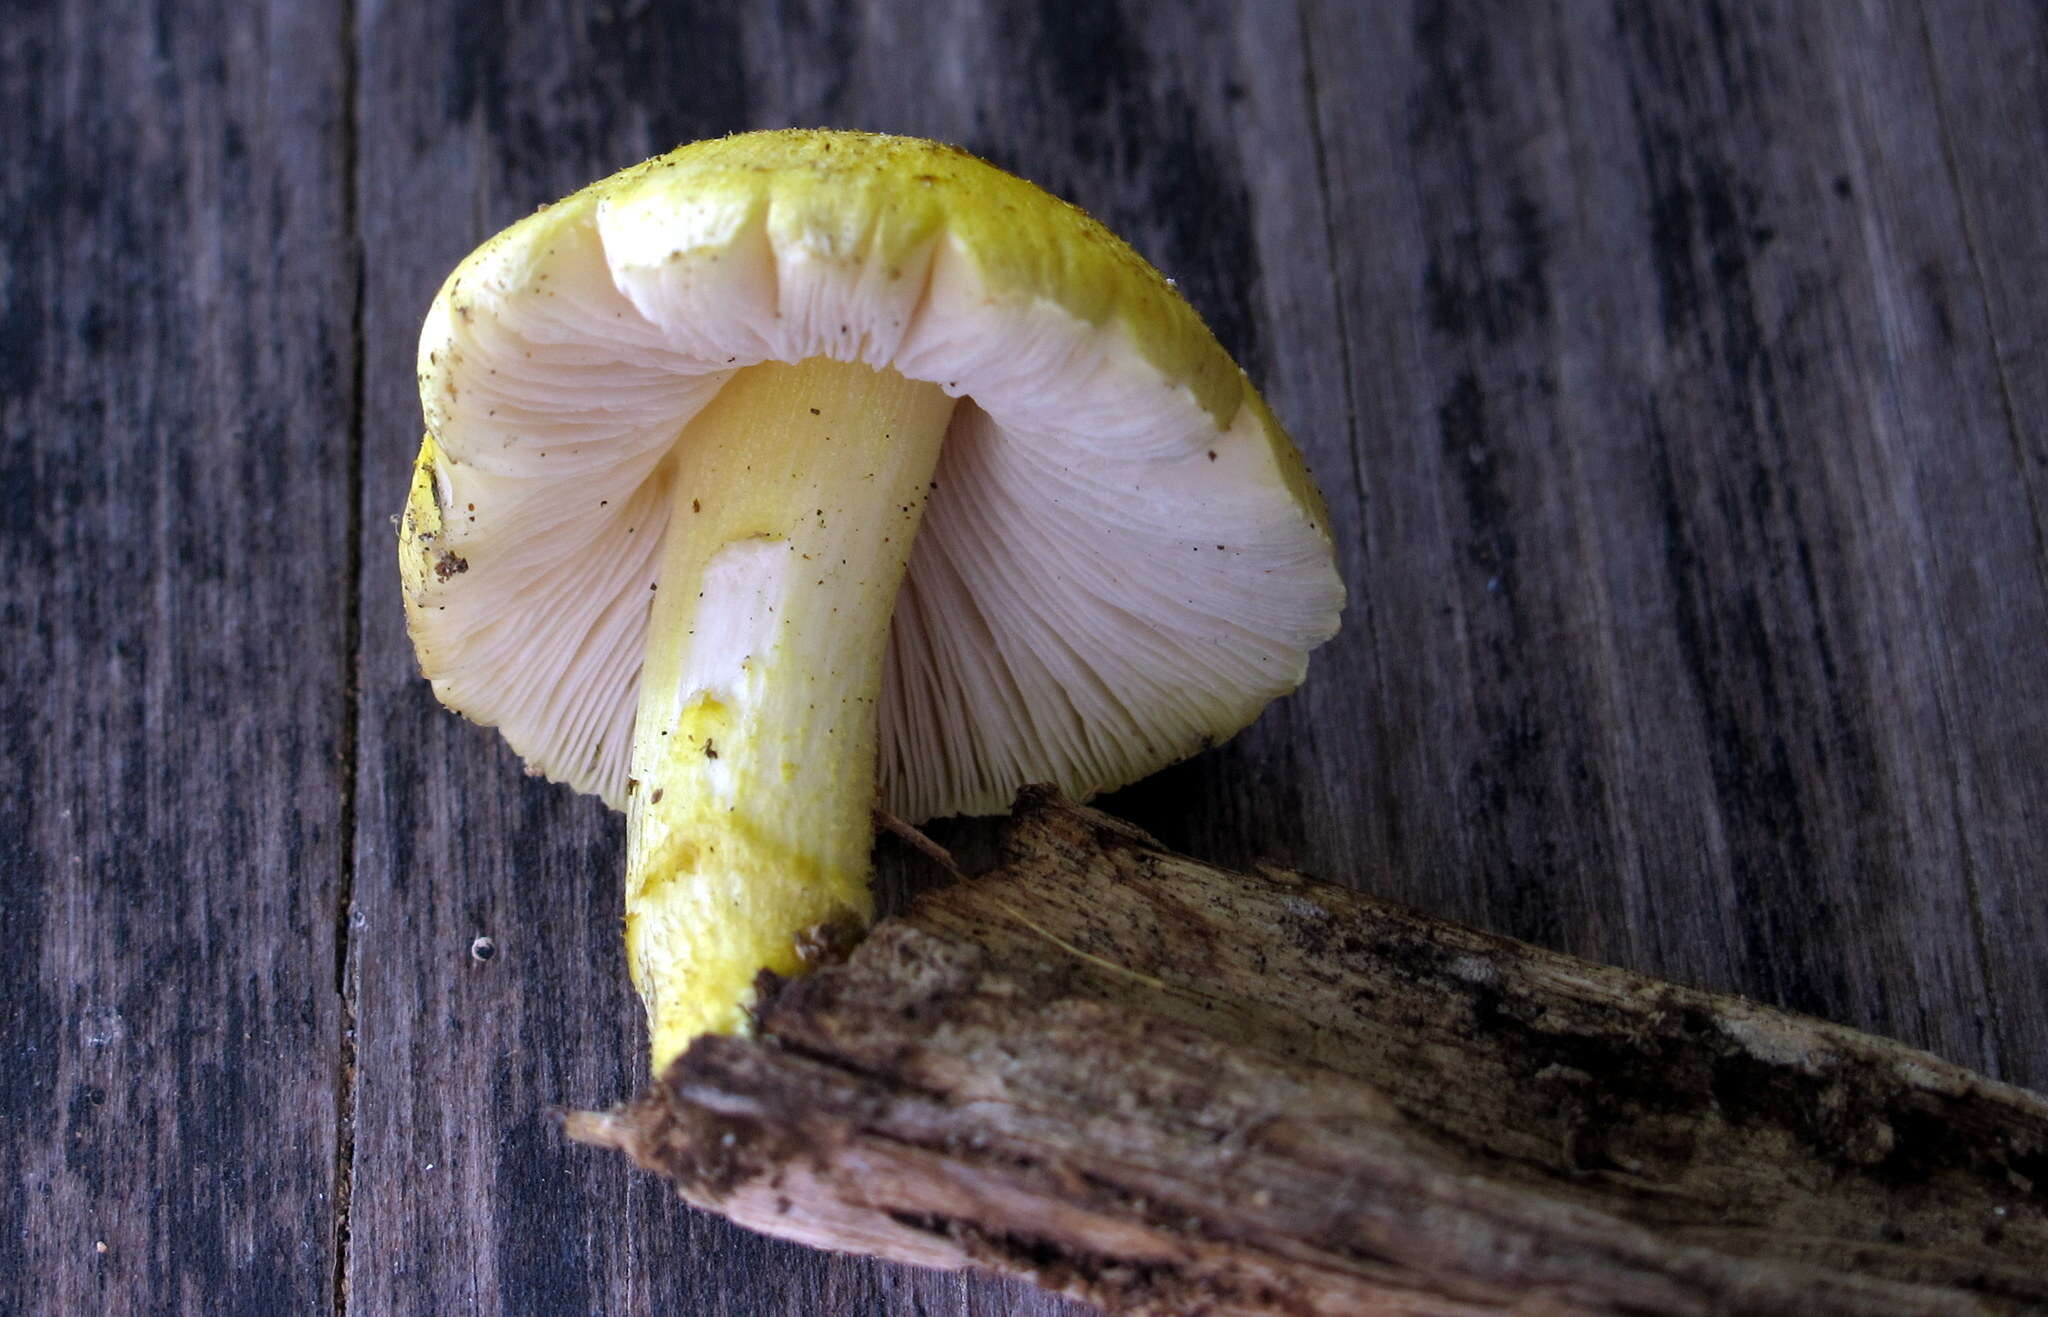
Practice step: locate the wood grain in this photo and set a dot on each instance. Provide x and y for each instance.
(1693, 541)
(1989, 125)
(176, 389)
(1673, 371)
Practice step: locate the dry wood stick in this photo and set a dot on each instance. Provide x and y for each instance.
(1166, 1087)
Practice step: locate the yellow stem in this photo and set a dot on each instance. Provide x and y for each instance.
(796, 495)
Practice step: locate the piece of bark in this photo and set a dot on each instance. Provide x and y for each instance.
(1160, 1086)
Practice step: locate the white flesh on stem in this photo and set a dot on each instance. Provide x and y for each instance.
(796, 495)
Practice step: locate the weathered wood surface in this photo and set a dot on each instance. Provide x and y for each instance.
(177, 381)
(1143, 1080)
(1674, 372)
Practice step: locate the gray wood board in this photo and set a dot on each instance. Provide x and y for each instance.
(1673, 372)
(177, 368)
(1699, 574)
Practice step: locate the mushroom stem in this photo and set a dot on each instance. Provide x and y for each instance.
(794, 500)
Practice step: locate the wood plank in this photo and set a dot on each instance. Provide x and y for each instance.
(1692, 594)
(1692, 504)
(463, 1195)
(176, 376)
(472, 119)
(1990, 75)
(464, 1191)
(1682, 523)
(1136, 1077)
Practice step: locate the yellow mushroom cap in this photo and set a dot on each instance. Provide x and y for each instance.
(1123, 559)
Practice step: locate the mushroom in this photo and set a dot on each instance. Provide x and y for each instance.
(794, 471)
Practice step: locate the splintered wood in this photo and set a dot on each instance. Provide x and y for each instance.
(1165, 1087)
